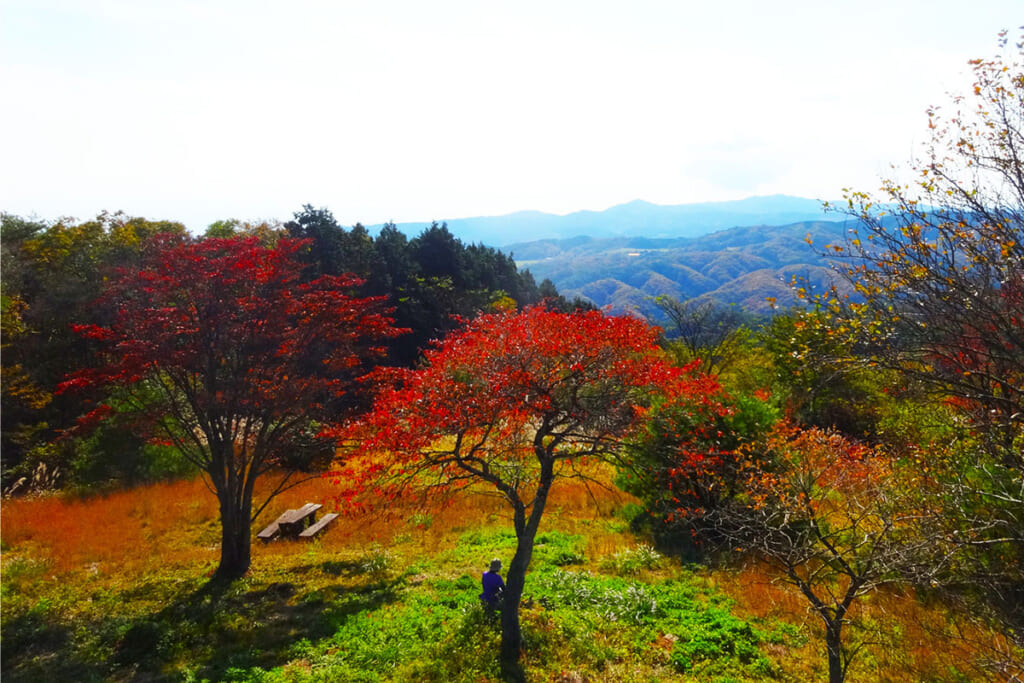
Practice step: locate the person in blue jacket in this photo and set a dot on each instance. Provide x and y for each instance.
(493, 585)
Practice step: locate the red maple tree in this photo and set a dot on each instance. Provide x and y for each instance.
(513, 401)
(230, 356)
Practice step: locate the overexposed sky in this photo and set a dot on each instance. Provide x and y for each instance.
(199, 110)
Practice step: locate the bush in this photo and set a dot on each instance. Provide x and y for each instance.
(376, 561)
(113, 454)
(559, 549)
(613, 601)
(684, 465)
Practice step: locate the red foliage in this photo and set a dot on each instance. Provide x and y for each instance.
(515, 401)
(517, 386)
(230, 327)
(228, 354)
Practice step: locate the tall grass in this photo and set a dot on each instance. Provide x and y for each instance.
(177, 523)
(127, 530)
(923, 642)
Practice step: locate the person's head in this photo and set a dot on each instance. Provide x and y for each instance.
(495, 565)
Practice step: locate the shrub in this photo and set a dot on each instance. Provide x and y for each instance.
(376, 561)
(611, 600)
(559, 549)
(632, 560)
(685, 463)
(723, 635)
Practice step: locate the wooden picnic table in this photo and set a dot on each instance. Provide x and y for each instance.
(300, 523)
(294, 522)
(314, 529)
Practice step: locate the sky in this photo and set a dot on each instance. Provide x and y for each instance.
(202, 110)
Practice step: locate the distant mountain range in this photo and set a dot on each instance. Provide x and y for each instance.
(741, 265)
(736, 252)
(634, 219)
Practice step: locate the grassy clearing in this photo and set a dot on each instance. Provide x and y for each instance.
(116, 588)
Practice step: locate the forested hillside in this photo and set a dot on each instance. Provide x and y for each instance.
(741, 265)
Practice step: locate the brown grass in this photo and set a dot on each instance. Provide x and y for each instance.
(931, 639)
(130, 529)
(177, 524)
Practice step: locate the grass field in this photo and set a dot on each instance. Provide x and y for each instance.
(116, 588)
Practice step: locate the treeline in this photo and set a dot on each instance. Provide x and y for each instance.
(431, 280)
(54, 275)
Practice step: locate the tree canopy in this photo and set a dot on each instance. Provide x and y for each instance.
(53, 275)
(230, 356)
(938, 264)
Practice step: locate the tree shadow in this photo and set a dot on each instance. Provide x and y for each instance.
(35, 649)
(264, 624)
(222, 625)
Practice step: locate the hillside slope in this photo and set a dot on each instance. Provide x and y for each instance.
(394, 598)
(741, 265)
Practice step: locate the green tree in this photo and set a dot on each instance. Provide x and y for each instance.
(326, 236)
(223, 229)
(822, 377)
(704, 330)
(53, 274)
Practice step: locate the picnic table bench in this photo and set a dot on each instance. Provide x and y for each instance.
(300, 523)
(316, 528)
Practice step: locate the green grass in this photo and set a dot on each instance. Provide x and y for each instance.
(374, 614)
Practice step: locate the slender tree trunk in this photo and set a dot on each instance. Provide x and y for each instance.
(833, 618)
(515, 581)
(511, 633)
(833, 643)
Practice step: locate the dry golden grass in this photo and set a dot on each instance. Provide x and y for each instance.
(177, 523)
(908, 641)
(129, 529)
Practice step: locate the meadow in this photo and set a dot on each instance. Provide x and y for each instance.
(117, 588)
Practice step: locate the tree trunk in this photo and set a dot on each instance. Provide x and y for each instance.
(833, 643)
(515, 581)
(511, 633)
(235, 537)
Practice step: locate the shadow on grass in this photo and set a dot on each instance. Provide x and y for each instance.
(35, 649)
(228, 627)
(215, 628)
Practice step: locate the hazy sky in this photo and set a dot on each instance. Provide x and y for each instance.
(432, 109)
